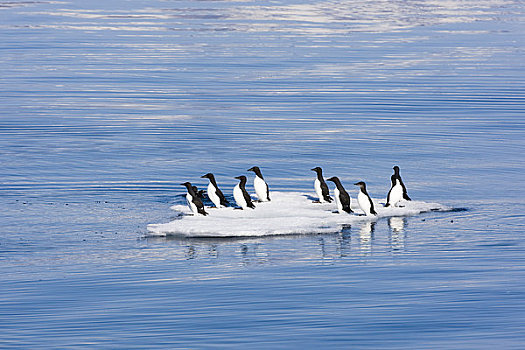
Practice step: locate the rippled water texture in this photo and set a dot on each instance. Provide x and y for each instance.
(107, 106)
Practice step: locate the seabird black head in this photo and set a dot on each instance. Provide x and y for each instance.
(256, 170)
(337, 183)
(189, 187)
(242, 181)
(361, 184)
(334, 179)
(207, 176)
(317, 169)
(396, 169)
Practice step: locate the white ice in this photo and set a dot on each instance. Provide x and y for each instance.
(287, 213)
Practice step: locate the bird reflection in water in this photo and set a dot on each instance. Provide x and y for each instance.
(397, 232)
(366, 235)
(213, 251)
(191, 253)
(345, 239)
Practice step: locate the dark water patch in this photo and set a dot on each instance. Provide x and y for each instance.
(501, 244)
(458, 210)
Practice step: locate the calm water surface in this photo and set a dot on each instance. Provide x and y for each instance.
(108, 106)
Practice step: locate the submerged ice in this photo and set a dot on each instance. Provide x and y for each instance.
(287, 213)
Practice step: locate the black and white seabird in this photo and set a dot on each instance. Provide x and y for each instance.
(364, 200)
(214, 193)
(321, 189)
(395, 194)
(200, 193)
(342, 198)
(194, 202)
(261, 187)
(241, 196)
(396, 174)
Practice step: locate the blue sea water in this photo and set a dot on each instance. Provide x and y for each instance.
(108, 106)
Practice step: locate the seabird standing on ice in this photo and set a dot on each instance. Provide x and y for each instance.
(241, 196)
(321, 189)
(342, 198)
(261, 187)
(364, 200)
(214, 193)
(194, 202)
(396, 174)
(395, 194)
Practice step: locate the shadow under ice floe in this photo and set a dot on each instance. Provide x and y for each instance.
(288, 213)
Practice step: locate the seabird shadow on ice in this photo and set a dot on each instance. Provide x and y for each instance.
(310, 197)
(314, 199)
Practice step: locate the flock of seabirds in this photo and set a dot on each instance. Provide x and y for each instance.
(243, 199)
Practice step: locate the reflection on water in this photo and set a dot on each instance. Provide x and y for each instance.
(345, 243)
(396, 223)
(351, 242)
(366, 236)
(397, 232)
(191, 253)
(363, 240)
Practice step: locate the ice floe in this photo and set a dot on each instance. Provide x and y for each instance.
(287, 213)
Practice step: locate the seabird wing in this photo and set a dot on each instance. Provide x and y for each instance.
(199, 205)
(372, 210)
(325, 192)
(223, 199)
(405, 195)
(345, 201)
(248, 199)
